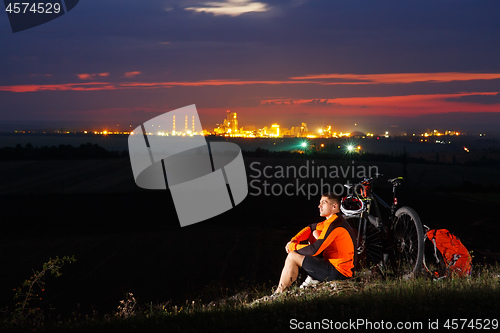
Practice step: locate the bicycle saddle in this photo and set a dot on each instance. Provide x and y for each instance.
(396, 181)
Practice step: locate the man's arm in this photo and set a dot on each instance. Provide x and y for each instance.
(325, 238)
(302, 236)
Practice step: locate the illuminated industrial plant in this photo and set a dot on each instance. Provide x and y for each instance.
(230, 128)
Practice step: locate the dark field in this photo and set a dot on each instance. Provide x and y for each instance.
(126, 239)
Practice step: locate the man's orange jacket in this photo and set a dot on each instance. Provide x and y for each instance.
(336, 243)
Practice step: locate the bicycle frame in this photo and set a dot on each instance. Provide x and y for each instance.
(374, 199)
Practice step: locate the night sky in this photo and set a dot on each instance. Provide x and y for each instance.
(376, 63)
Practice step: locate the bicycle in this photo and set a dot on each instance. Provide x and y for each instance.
(397, 240)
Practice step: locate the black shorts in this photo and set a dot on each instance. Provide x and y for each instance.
(321, 270)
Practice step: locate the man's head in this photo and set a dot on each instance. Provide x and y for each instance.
(329, 204)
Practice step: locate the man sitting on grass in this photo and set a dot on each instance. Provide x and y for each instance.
(332, 238)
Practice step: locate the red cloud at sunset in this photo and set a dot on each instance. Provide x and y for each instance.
(151, 85)
(409, 105)
(373, 100)
(58, 87)
(399, 77)
(206, 83)
(317, 79)
(131, 74)
(85, 76)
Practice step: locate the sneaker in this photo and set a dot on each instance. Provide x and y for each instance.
(309, 282)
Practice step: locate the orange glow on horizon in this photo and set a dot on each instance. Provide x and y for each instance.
(286, 108)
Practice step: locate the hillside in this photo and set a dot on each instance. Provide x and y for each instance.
(127, 239)
(362, 303)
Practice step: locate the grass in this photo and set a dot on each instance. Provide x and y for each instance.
(365, 299)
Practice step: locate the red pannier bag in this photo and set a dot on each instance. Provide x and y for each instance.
(456, 257)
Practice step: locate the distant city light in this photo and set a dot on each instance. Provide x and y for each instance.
(303, 146)
(351, 147)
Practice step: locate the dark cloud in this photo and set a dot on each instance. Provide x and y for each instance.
(310, 36)
(319, 102)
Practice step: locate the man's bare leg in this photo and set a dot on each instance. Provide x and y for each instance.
(290, 271)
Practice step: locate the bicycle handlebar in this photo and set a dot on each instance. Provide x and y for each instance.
(369, 180)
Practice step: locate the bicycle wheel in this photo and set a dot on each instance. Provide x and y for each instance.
(369, 249)
(408, 247)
